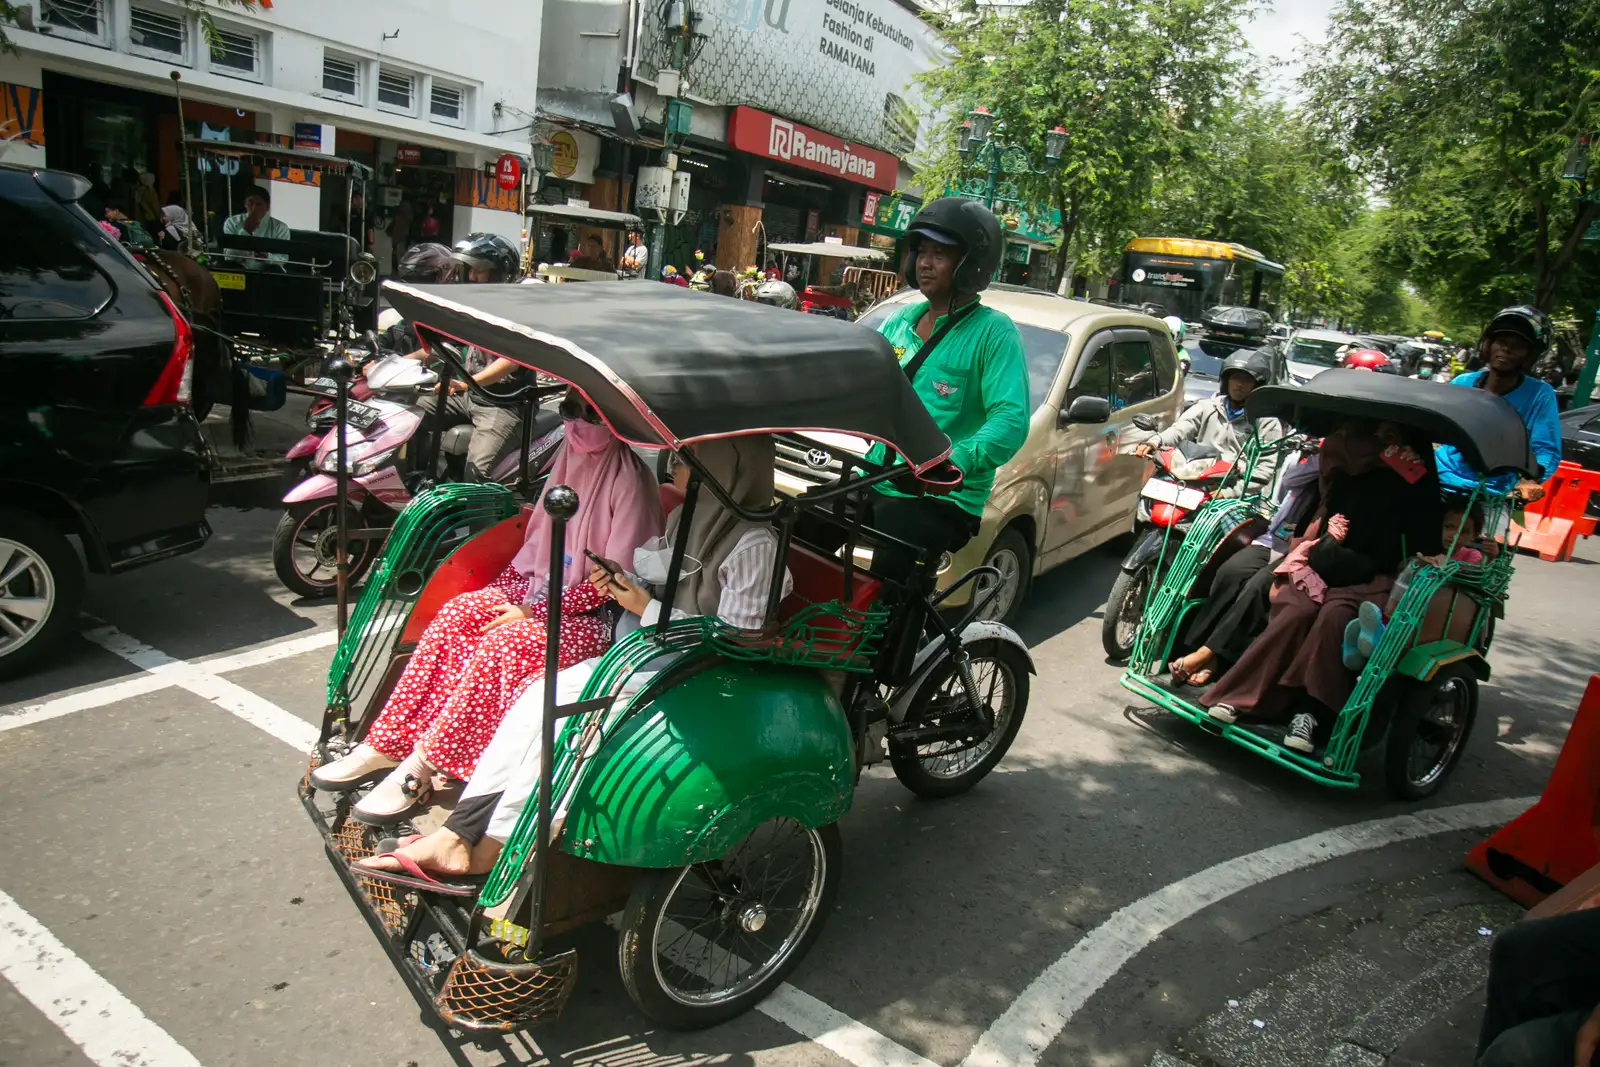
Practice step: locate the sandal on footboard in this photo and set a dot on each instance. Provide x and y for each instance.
(412, 876)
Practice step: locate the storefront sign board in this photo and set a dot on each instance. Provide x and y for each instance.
(776, 138)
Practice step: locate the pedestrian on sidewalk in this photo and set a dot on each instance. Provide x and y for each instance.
(1544, 988)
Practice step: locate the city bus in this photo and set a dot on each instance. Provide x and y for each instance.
(1188, 277)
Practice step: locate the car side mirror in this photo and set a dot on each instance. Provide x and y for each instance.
(1087, 409)
(1147, 423)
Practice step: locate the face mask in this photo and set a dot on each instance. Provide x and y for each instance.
(651, 559)
(584, 436)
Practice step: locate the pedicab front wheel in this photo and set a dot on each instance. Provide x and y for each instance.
(957, 749)
(1429, 731)
(705, 943)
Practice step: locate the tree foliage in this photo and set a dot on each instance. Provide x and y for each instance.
(1129, 80)
(1461, 113)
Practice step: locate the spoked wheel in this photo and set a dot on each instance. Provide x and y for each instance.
(305, 549)
(947, 746)
(1125, 611)
(702, 944)
(1429, 731)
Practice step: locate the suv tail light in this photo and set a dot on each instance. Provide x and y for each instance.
(177, 377)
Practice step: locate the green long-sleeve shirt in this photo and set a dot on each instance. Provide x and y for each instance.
(975, 385)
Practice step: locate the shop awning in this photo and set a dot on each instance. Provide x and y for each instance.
(593, 215)
(268, 153)
(833, 251)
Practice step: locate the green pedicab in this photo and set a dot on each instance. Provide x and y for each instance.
(1415, 701)
(703, 807)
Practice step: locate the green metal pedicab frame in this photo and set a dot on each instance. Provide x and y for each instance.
(1417, 698)
(704, 805)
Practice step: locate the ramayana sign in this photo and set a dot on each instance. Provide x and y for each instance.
(767, 135)
(844, 66)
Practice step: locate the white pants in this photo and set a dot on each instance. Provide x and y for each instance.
(510, 765)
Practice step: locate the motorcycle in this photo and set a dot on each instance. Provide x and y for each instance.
(388, 466)
(1189, 474)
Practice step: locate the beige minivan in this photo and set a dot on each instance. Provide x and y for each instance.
(1067, 490)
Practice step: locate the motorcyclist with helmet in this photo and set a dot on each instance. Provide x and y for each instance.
(1512, 343)
(778, 294)
(965, 362)
(1222, 423)
(483, 258)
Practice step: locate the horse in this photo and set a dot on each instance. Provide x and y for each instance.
(217, 375)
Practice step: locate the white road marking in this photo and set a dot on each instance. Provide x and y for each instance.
(235, 699)
(1019, 1037)
(93, 1014)
(110, 693)
(835, 1031)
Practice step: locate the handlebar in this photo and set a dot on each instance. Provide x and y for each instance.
(516, 398)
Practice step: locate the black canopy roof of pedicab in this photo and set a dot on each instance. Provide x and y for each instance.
(1487, 430)
(668, 366)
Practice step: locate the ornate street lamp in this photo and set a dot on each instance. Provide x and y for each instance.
(977, 148)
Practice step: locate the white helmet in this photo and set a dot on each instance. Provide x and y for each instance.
(1175, 327)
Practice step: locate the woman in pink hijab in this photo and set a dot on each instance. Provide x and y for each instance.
(485, 647)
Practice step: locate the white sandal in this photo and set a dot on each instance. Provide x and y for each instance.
(406, 789)
(1223, 713)
(363, 764)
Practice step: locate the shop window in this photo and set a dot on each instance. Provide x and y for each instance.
(236, 55)
(159, 33)
(397, 91)
(446, 104)
(79, 20)
(341, 78)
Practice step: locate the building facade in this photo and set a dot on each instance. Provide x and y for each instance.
(804, 114)
(430, 94)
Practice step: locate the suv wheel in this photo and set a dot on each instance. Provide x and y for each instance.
(41, 586)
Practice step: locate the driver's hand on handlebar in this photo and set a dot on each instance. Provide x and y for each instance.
(1527, 490)
(1144, 451)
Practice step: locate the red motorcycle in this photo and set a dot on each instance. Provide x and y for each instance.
(1187, 477)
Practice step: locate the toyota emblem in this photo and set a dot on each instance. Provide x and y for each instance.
(818, 458)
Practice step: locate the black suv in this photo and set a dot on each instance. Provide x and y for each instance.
(96, 436)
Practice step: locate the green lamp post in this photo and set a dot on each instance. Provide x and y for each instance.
(979, 150)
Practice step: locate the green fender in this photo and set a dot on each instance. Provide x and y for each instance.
(685, 778)
(1422, 662)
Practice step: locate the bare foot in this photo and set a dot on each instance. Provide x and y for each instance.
(1201, 677)
(1184, 667)
(442, 853)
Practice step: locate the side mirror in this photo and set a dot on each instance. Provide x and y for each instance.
(1147, 423)
(1087, 409)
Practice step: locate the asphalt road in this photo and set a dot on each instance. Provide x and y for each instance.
(154, 836)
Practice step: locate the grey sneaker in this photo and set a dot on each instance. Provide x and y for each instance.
(1301, 729)
(1223, 713)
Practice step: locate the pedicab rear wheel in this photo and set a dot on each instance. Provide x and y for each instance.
(944, 768)
(1429, 731)
(705, 943)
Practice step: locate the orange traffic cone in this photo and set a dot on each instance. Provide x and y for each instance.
(1554, 841)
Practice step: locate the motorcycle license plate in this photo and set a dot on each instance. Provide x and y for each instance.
(361, 416)
(1173, 493)
(324, 385)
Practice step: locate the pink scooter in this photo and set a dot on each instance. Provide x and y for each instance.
(381, 431)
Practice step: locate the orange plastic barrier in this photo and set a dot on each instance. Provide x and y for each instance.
(1555, 522)
(1557, 839)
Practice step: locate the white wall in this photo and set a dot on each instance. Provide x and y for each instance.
(481, 220)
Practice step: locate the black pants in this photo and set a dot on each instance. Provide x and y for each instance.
(929, 523)
(470, 819)
(1238, 606)
(1544, 981)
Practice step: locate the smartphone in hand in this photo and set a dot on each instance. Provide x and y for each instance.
(604, 564)
(1403, 464)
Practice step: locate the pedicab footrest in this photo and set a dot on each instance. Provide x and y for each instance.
(483, 993)
(828, 635)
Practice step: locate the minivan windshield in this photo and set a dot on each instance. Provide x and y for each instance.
(1311, 350)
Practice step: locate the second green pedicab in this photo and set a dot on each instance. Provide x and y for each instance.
(1415, 700)
(705, 806)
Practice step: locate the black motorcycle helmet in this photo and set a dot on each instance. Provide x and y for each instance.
(488, 250)
(953, 220)
(1527, 322)
(1251, 361)
(429, 263)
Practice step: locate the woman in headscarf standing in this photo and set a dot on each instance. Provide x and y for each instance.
(484, 647)
(727, 573)
(1381, 503)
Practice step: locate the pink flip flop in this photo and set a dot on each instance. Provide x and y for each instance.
(413, 876)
